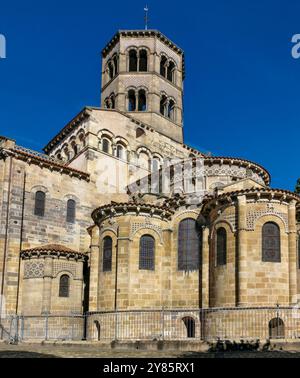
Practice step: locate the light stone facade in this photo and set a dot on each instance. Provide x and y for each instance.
(100, 160)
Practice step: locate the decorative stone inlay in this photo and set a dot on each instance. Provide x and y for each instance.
(136, 226)
(34, 269)
(254, 215)
(62, 266)
(233, 172)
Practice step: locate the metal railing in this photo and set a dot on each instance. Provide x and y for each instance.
(161, 324)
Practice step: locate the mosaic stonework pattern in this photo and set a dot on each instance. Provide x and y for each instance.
(135, 227)
(64, 266)
(254, 215)
(34, 269)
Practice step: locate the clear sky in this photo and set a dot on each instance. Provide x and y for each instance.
(242, 87)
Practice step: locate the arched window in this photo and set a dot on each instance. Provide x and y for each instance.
(116, 64)
(189, 323)
(107, 103)
(133, 61)
(105, 145)
(163, 105)
(107, 254)
(64, 286)
(75, 148)
(40, 199)
(120, 152)
(188, 245)
(112, 101)
(142, 106)
(147, 252)
(110, 70)
(155, 164)
(271, 242)
(276, 329)
(221, 246)
(144, 161)
(131, 101)
(71, 211)
(171, 110)
(143, 61)
(170, 72)
(163, 63)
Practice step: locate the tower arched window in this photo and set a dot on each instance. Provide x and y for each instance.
(171, 110)
(105, 145)
(188, 245)
(131, 101)
(171, 72)
(40, 201)
(142, 105)
(71, 211)
(163, 105)
(147, 253)
(74, 148)
(107, 254)
(221, 246)
(133, 61)
(120, 151)
(143, 61)
(116, 64)
(163, 64)
(110, 70)
(64, 286)
(271, 242)
(155, 164)
(113, 101)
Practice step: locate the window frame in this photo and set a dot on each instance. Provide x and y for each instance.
(39, 210)
(146, 257)
(64, 286)
(267, 238)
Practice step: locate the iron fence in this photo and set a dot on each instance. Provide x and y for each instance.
(159, 324)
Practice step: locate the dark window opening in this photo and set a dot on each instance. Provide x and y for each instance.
(133, 61)
(107, 254)
(170, 73)
(71, 211)
(188, 246)
(189, 323)
(131, 101)
(105, 146)
(171, 109)
(143, 64)
(110, 70)
(163, 63)
(163, 105)
(64, 286)
(40, 199)
(142, 106)
(221, 246)
(116, 64)
(147, 251)
(271, 242)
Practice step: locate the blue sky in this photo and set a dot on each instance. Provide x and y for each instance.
(242, 87)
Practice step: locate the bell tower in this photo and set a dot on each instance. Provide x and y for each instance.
(142, 75)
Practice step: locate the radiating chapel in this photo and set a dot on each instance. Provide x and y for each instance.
(120, 214)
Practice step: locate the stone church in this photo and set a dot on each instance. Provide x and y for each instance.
(120, 214)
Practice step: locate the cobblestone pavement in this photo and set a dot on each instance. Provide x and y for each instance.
(86, 351)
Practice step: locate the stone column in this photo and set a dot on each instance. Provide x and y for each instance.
(241, 263)
(94, 269)
(205, 268)
(46, 304)
(293, 253)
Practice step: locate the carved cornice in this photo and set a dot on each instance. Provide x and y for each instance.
(53, 251)
(134, 208)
